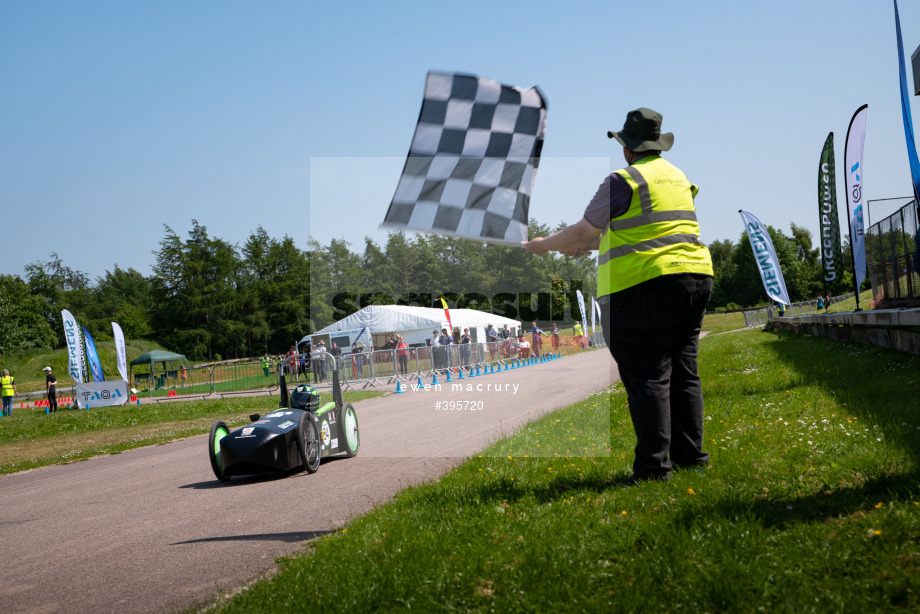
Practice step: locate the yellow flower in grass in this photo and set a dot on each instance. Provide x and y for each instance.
(878, 505)
(690, 491)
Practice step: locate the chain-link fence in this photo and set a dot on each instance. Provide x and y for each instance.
(890, 246)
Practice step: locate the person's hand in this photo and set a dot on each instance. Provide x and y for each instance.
(534, 246)
(576, 252)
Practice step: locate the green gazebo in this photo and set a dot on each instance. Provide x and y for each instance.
(161, 365)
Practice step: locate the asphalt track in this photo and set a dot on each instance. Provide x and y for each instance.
(152, 530)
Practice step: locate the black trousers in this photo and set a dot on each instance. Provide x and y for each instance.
(653, 332)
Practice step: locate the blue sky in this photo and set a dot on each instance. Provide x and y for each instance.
(122, 117)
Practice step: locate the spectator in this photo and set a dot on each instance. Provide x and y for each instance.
(402, 355)
(444, 342)
(290, 363)
(466, 348)
(492, 340)
(505, 336)
(433, 343)
(51, 389)
(319, 362)
(336, 355)
(535, 340)
(7, 391)
(554, 337)
(356, 349)
(523, 347)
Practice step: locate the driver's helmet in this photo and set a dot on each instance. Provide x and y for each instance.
(305, 397)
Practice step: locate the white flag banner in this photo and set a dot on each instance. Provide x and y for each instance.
(855, 176)
(472, 162)
(593, 316)
(101, 394)
(596, 313)
(76, 360)
(121, 355)
(581, 306)
(765, 255)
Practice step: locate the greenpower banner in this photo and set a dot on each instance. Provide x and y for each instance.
(827, 211)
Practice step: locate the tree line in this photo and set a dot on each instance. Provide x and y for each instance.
(211, 299)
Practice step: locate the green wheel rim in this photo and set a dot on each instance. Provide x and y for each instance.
(218, 435)
(351, 430)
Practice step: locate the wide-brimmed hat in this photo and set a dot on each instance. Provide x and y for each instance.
(642, 132)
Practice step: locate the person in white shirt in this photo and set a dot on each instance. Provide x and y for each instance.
(523, 347)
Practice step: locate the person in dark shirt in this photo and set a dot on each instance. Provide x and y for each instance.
(50, 387)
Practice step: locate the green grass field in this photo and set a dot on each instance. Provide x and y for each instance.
(811, 504)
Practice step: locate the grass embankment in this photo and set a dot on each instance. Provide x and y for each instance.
(27, 366)
(724, 322)
(811, 504)
(31, 438)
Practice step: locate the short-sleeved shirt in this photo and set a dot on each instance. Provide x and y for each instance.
(611, 200)
(51, 380)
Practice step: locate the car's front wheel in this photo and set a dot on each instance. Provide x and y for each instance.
(218, 431)
(350, 430)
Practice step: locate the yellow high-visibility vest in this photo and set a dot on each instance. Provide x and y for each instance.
(658, 234)
(6, 385)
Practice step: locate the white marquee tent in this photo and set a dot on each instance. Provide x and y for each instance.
(415, 324)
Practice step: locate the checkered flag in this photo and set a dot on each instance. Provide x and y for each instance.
(473, 160)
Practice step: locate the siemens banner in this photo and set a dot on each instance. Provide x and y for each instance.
(765, 255)
(76, 361)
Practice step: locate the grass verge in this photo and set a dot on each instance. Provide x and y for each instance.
(31, 438)
(812, 504)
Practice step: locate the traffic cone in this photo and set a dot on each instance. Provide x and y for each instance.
(461, 376)
(420, 382)
(399, 388)
(448, 379)
(434, 379)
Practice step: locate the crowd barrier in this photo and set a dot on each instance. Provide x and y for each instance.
(383, 367)
(759, 317)
(200, 382)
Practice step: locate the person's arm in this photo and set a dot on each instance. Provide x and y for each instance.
(575, 240)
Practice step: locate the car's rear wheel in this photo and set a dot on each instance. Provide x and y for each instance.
(218, 431)
(350, 430)
(308, 442)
